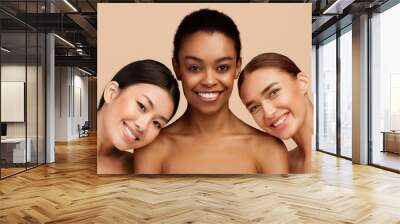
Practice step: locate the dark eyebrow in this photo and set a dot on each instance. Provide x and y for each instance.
(266, 89)
(217, 61)
(193, 58)
(149, 101)
(225, 58)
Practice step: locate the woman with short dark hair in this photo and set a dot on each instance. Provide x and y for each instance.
(208, 138)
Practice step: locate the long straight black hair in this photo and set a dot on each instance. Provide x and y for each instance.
(150, 72)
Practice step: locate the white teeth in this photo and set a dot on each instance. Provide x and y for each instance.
(280, 121)
(130, 134)
(209, 96)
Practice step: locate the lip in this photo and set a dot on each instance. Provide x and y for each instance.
(208, 96)
(128, 132)
(280, 121)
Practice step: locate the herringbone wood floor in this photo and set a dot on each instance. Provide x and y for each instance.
(69, 191)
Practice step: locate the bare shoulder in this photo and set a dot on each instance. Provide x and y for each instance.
(269, 152)
(149, 159)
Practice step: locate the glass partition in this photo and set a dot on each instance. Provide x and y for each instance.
(346, 92)
(327, 95)
(385, 89)
(13, 95)
(22, 90)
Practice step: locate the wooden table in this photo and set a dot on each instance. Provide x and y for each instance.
(391, 141)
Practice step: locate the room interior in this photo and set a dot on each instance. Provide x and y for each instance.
(48, 93)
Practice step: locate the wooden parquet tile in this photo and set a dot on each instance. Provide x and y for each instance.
(70, 191)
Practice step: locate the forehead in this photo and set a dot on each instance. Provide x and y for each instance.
(203, 44)
(256, 81)
(156, 94)
(148, 89)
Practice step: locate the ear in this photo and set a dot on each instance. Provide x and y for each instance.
(238, 67)
(175, 65)
(111, 91)
(303, 82)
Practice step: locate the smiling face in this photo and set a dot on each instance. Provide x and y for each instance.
(134, 116)
(276, 100)
(207, 68)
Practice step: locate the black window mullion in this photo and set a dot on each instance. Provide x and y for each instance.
(37, 91)
(26, 87)
(369, 79)
(338, 76)
(317, 96)
(0, 96)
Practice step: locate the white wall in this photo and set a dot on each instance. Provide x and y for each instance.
(70, 84)
(62, 80)
(34, 124)
(12, 73)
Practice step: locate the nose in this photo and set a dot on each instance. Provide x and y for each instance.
(209, 79)
(269, 110)
(142, 123)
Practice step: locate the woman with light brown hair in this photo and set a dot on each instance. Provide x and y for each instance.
(274, 90)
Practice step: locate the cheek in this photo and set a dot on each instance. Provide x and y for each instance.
(127, 109)
(286, 100)
(228, 79)
(296, 103)
(189, 82)
(259, 119)
(113, 116)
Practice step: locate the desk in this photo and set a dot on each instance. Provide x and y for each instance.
(391, 141)
(13, 150)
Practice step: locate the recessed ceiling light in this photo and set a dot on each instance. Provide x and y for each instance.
(70, 5)
(84, 71)
(64, 40)
(337, 7)
(5, 50)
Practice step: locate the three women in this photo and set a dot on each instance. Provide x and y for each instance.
(209, 138)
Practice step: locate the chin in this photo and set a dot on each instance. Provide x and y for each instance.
(280, 135)
(121, 147)
(285, 137)
(211, 109)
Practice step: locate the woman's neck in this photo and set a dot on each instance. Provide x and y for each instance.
(205, 124)
(104, 145)
(303, 137)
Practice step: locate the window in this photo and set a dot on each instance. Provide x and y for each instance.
(385, 88)
(327, 96)
(346, 93)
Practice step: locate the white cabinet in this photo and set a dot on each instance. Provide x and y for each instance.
(17, 147)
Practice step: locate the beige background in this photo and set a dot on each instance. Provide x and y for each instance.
(130, 32)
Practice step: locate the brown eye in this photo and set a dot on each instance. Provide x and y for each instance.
(194, 68)
(223, 68)
(157, 124)
(254, 109)
(141, 106)
(274, 92)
